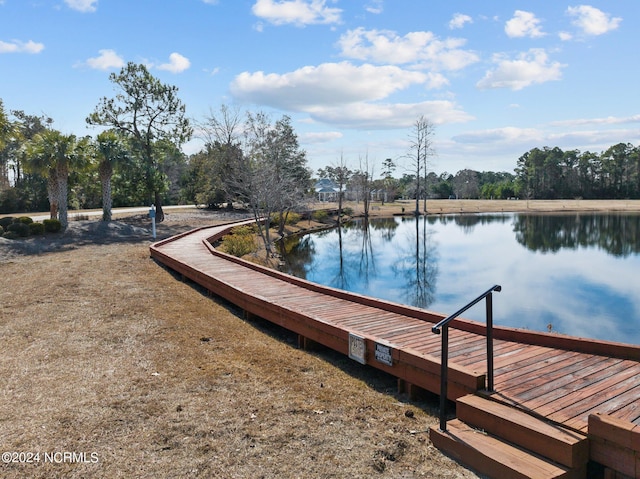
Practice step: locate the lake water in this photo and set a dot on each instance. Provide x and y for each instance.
(575, 274)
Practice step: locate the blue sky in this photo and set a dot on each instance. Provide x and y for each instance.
(495, 78)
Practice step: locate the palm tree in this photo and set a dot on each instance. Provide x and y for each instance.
(111, 150)
(53, 154)
(5, 135)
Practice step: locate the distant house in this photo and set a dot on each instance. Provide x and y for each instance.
(326, 190)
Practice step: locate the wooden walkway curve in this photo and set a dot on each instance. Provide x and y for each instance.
(560, 378)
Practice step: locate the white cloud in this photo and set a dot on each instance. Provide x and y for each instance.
(211, 2)
(380, 116)
(16, 46)
(82, 5)
(610, 120)
(508, 139)
(595, 139)
(320, 136)
(325, 84)
(297, 12)
(523, 24)
(593, 21)
(106, 60)
(346, 95)
(528, 69)
(424, 48)
(435, 81)
(508, 134)
(459, 20)
(375, 6)
(177, 63)
(565, 36)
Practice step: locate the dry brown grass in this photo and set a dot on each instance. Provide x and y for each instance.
(493, 206)
(103, 351)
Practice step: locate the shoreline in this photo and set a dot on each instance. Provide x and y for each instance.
(493, 206)
(434, 206)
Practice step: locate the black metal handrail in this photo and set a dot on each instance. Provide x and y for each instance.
(444, 359)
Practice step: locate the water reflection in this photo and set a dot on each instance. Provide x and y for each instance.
(417, 266)
(616, 234)
(573, 273)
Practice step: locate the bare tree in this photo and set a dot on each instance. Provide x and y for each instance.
(363, 179)
(420, 150)
(222, 133)
(224, 127)
(273, 174)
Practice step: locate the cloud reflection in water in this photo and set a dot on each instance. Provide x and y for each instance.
(574, 273)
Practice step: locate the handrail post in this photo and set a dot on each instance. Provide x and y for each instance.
(489, 310)
(444, 371)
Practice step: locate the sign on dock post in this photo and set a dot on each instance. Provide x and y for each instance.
(357, 348)
(384, 354)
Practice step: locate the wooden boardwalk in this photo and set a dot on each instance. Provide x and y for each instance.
(591, 388)
(559, 378)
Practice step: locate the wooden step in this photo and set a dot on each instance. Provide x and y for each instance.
(495, 458)
(563, 446)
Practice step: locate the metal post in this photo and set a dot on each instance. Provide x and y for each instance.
(443, 328)
(444, 370)
(489, 305)
(152, 214)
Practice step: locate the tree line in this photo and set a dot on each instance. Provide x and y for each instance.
(136, 159)
(550, 173)
(251, 159)
(541, 173)
(129, 163)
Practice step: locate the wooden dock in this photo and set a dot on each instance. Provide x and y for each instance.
(578, 385)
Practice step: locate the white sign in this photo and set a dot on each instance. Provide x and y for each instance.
(357, 349)
(383, 354)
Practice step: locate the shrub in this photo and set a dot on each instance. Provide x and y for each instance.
(6, 221)
(20, 229)
(347, 210)
(246, 230)
(25, 220)
(292, 218)
(52, 226)
(36, 228)
(320, 215)
(11, 235)
(240, 241)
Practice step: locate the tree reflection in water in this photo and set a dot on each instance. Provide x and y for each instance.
(352, 263)
(418, 266)
(617, 234)
(574, 271)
